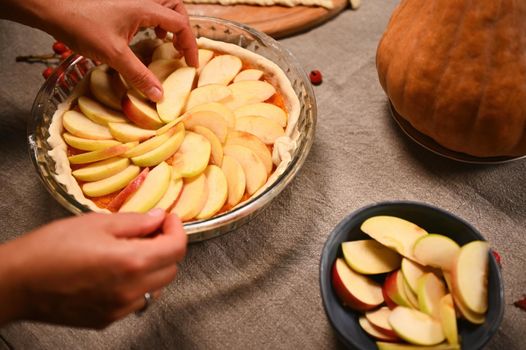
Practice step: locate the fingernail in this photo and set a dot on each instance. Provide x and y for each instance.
(154, 93)
(156, 212)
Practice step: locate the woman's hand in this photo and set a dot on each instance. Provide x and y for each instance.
(103, 29)
(91, 270)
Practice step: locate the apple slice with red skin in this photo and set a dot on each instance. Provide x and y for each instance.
(379, 319)
(470, 276)
(127, 191)
(140, 112)
(436, 251)
(355, 290)
(151, 191)
(448, 319)
(369, 257)
(394, 232)
(374, 332)
(415, 326)
(395, 290)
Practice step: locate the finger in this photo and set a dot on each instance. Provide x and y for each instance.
(136, 306)
(165, 249)
(130, 225)
(178, 24)
(136, 73)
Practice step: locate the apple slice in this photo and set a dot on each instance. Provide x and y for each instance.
(210, 120)
(220, 70)
(400, 346)
(252, 142)
(144, 48)
(192, 157)
(470, 276)
(448, 319)
(216, 157)
(151, 191)
(430, 290)
(369, 257)
(88, 144)
(255, 172)
(207, 94)
(416, 327)
(373, 332)
(162, 152)
(127, 191)
(170, 125)
(203, 55)
(388, 301)
(79, 125)
(265, 129)
(394, 288)
(106, 86)
(172, 193)
(192, 198)
(248, 92)
(248, 74)
(355, 290)
(165, 51)
(412, 271)
(436, 251)
(379, 319)
(99, 113)
(101, 170)
(235, 178)
(411, 296)
(126, 132)
(393, 232)
(265, 110)
(140, 112)
(162, 68)
(217, 192)
(111, 184)
(218, 108)
(150, 144)
(101, 154)
(176, 88)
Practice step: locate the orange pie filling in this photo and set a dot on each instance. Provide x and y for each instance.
(209, 145)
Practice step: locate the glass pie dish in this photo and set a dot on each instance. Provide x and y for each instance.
(59, 87)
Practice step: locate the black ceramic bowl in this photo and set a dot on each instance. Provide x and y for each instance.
(432, 219)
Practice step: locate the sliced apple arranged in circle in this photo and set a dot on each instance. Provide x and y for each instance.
(189, 153)
(429, 278)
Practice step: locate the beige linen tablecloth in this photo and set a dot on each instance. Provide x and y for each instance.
(257, 287)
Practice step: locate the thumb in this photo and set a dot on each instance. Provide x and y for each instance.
(136, 73)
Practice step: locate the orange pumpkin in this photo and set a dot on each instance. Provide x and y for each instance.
(456, 71)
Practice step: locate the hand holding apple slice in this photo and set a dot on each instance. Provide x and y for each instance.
(369, 257)
(151, 191)
(416, 327)
(395, 233)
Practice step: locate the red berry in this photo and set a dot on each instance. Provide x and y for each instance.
(59, 47)
(65, 54)
(47, 72)
(496, 256)
(315, 77)
(521, 304)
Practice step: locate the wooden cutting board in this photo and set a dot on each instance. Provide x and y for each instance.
(276, 21)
